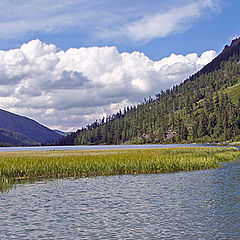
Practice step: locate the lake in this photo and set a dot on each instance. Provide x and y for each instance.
(100, 147)
(183, 205)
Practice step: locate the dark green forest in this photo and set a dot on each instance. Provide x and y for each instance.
(204, 108)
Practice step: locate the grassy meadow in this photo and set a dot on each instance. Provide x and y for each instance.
(17, 167)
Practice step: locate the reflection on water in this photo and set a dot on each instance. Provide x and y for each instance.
(184, 205)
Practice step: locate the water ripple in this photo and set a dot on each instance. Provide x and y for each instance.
(184, 205)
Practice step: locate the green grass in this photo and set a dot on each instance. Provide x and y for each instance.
(234, 93)
(17, 167)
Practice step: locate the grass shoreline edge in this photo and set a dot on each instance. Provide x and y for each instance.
(19, 167)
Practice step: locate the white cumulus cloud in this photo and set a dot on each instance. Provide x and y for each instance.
(69, 89)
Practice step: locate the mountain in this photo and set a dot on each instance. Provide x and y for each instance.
(19, 130)
(10, 138)
(204, 108)
(61, 132)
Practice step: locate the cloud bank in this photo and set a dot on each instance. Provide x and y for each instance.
(69, 89)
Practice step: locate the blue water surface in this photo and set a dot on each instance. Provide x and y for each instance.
(184, 205)
(101, 147)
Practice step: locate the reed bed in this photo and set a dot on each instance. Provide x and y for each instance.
(17, 167)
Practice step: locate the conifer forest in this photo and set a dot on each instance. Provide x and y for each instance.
(203, 108)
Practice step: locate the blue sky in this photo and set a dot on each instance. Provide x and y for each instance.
(84, 59)
(59, 23)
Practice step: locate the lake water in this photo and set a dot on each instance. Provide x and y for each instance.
(184, 205)
(100, 147)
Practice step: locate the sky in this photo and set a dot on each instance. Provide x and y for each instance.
(67, 63)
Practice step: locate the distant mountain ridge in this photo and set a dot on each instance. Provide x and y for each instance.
(31, 132)
(61, 132)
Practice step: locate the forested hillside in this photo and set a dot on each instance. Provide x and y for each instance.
(204, 108)
(10, 138)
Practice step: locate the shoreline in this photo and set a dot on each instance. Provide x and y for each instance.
(16, 167)
(108, 147)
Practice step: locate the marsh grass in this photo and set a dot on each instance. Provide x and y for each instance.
(17, 167)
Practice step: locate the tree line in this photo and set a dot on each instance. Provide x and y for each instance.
(201, 109)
